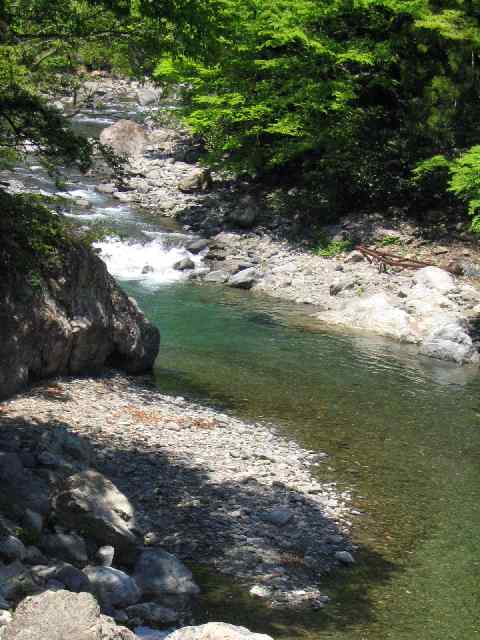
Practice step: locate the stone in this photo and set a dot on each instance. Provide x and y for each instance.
(5, 618)
(435, 278)
(105, 555)
(198, 180)
(344, 557)
(125, 137)
(344, 284)
(106, 187)
(196, 246)
(65, 546)
(112, 587)
(148, 95)
(32, 521)
(184, 264)
(279, 517)
(218, 276)
(160, 574)
(34, 556)
(153, 613)
(244, 279)
(11, 549)
(450, 342)
(244, 214)
(259, 591)
(62, 615)
(374, 314)
(74, 579)
(91, 503)
(216, 631)
(21, 489)
(17, 581)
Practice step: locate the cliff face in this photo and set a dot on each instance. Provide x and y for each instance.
(79, 322)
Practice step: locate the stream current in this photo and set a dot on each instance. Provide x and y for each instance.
(402, 432)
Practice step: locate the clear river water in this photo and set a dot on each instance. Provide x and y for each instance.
(402, 432)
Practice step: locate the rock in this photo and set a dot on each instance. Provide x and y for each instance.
(105, 555)
(106, 187)
(184, 264)
(244, 279)
(74, 579)
(21, 489)
(216, 631)
(61, 615)
(353, 257)
(91, 503)
(65, 546)
(344, 557)
(17, 581)
(196, 246)
(342, 285)
(219, 276)
(11, 548)
(112, 587)
(77, 324)
(148, 95)
(435, 278)
(279, 517)
(259, 591)
(5, 618)
(153, 613)
(148, 269)
(245, 213)
(34, 556)
(198, 180)
(374, 314)
(450, 342)
(125, 137)
(162, 576)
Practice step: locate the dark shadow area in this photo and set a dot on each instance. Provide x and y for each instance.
(217, 526)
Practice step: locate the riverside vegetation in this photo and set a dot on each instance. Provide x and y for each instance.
(329, 110)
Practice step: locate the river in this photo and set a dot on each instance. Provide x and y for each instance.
(402, 432)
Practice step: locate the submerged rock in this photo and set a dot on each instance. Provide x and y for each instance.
(216, 631)
(161, 575)
(112, 587)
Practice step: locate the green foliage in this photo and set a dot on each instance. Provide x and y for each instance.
(465, 182)
(388, 241)
(334, 248)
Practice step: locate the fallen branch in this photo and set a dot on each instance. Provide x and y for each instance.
(382, 260)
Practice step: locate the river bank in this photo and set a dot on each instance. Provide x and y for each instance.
(238, 240)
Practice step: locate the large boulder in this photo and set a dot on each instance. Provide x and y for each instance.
(20, 488)
(374, 314)
(91, 503)
(161, 576)
(198, 179)
(450, 342)
(62, 615)
(245, 213)
(435, 278)
(79, 322)
(125, 137)
(216, 631)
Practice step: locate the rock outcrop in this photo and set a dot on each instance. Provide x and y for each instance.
(125, 137)
(79, 322)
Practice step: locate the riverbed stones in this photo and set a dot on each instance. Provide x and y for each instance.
(218, 276)
(345, 557)
(65, 546)
(113, 588)
(161, 575)
(216, 631)
(90, 502)
(196, 246)
(153, 613)
(198, 179)
(11, 549)
(58, 615)
(184, 264)
(435, 278)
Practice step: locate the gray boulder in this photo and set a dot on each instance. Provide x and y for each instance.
(62, 615)
(91, 503)
(245, 214)
(450, 342)
(160, 575)
(148, 95)
(197, 245)
(72, 578)
(65, 546)
(244, 279)
(218, 276)
(112, 587)
(184, 264)
(11, 549)
(216, 631)
(125, 137)
(198, 180)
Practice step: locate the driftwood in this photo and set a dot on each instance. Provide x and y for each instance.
(382, 260)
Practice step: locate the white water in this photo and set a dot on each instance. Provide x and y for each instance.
(150, 263)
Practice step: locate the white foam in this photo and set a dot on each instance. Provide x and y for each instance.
(128, 260)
